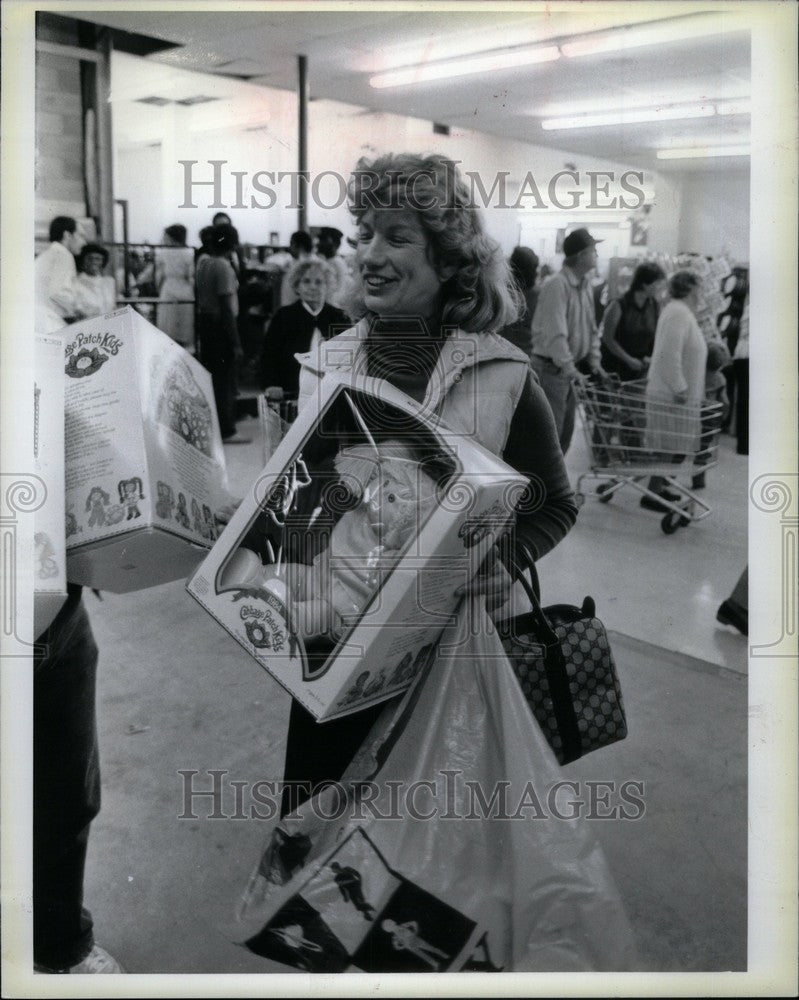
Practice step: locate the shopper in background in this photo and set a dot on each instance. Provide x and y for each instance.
(217, 326)
(565, 336)
(524, 269)
(327, 246)
(235, 256)
(676, 378)
(629, 324)
(740, 362)
(96, 292)
(295, 329)
(55, 277)
(300, 248)
(174, 279)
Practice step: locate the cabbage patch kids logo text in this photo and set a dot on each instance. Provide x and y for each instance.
(88, 352)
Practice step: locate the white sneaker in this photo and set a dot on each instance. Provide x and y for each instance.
(98, 961)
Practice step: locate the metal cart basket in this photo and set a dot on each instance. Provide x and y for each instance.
(632, 436)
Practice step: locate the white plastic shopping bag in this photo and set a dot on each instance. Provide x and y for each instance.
(443, 858)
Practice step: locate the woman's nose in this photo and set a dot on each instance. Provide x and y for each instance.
(373, 252)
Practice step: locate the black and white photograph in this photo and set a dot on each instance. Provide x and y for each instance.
(385, 494)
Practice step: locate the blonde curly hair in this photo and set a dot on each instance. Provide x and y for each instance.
(480, 296)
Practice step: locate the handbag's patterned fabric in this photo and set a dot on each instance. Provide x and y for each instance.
(593, 683)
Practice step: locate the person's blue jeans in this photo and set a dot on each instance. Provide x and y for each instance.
(66, 787)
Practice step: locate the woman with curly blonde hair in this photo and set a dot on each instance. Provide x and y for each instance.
(431, 288)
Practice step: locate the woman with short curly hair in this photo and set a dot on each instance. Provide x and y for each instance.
(295, 328)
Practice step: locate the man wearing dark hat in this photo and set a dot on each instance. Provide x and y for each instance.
(327, 244)
(565, 335)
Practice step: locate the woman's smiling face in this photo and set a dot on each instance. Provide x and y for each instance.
(398, 277)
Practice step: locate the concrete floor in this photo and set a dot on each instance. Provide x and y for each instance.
(177, 694)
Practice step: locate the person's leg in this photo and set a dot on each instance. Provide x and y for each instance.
(557, 389)
(741, 366)
(66, 789)
(735, 610)
(319, 752)
(213, 358)
(569, 413)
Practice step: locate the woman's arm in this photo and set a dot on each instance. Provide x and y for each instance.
(548, 511)
(610, 324)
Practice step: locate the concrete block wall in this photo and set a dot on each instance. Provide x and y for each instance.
(59, 130)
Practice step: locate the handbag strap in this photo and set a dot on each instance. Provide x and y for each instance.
(546, 632)
(554, 666)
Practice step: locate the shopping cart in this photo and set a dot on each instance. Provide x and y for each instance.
(632, 437)
(275, 415)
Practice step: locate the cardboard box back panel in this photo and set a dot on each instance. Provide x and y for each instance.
(49, 539)
(145, 467)
(339, 571)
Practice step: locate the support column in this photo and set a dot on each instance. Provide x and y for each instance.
(302, 144)
(105, 156)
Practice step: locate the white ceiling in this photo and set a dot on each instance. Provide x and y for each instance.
(344, 48)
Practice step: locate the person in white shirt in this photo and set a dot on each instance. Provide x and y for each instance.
(97, 292)
(55, 277)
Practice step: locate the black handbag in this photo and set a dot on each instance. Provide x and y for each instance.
(562, 659)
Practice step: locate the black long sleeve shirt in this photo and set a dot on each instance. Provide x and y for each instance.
(548, 511)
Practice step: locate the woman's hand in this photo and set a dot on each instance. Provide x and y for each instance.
(224, 514)
(492, 580)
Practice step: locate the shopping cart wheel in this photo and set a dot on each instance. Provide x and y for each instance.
(602, 493)
(671, 522)
(579, 499)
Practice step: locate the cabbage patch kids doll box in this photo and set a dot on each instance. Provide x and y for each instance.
(339, 571)
(145, 466)
(49, 540)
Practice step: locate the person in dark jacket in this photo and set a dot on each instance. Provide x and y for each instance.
(295, 328)
(524, 268)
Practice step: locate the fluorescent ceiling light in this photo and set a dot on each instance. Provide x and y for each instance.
(716, 88)
(742, 107)
(631, 116)
(487, 63)
(657, 33)
(700, 152)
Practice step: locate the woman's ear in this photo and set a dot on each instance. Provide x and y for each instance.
(446, 271)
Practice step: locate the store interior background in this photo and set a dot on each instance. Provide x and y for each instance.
(224, 88)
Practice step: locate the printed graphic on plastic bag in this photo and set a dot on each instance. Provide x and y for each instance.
(354, 911)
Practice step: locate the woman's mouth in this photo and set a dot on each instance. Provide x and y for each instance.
(375, 282)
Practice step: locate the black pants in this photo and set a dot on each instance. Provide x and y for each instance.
(741, 366)
(318, 753)
(216, 356)
(66, 787)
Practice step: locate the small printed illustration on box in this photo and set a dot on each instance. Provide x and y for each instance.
(97, 503)
(46, 566)
(182, 406)
(71, 522)
(130, 493)
(165, 503)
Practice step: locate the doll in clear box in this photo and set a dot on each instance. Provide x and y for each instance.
(394, 497)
